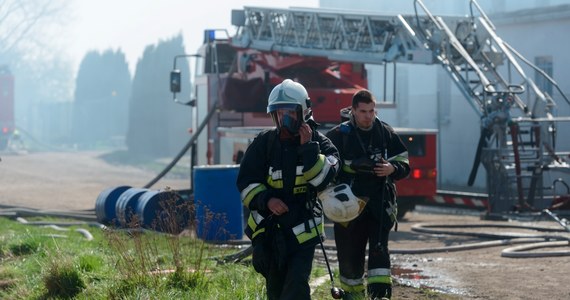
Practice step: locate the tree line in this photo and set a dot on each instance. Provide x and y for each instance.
(111, 107)
(108, 106)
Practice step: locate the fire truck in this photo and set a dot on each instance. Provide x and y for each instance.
(243, 78)
(6, 106)
(326, 51)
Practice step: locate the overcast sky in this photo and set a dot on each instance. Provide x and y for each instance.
(134, 24)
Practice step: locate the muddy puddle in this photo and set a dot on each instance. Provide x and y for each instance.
(409, 274)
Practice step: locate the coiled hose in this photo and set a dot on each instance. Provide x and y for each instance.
(498, 239)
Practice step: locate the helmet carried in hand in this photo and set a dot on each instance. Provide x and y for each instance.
(340, 204)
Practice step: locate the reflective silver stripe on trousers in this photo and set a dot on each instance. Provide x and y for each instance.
(352, 282)
(379, 272)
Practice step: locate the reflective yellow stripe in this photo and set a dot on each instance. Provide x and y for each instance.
(324, 171)
(348, 169)
(305, 236)
(276, 184)
(351, 285)
(251, 222)
(254, 189)
(257, 232)
(297, 230)
(352, 289)
(275, 178)
(316, 169)
(387, 279)
(300, 180)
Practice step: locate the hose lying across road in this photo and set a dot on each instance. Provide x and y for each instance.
(548, 237)
(498, 239)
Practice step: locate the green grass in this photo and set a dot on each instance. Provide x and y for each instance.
(42, 263)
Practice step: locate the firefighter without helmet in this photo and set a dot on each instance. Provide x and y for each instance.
(340, 204)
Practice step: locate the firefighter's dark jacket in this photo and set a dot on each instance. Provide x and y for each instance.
(380, 141)
(293, 173)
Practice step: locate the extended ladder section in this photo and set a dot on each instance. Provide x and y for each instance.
(518, 119)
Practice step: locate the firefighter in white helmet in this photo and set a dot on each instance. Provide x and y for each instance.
(373, 157)
(280, 175)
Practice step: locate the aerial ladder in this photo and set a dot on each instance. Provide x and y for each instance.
(519, 121)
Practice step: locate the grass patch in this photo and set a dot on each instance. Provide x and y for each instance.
(133, 264)
(63, 280)
(41, 263)
(26, 246)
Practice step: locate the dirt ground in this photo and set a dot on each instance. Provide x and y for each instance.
(72, 181)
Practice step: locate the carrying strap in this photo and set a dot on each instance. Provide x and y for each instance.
(379, 130)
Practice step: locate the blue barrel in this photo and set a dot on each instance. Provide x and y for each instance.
(163, 211)
(219, 212)
(106, 202)
(126, 206)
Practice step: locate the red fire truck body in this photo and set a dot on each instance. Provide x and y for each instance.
(421, 145)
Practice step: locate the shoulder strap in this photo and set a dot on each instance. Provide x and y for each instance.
(345, 129)
(380, 129)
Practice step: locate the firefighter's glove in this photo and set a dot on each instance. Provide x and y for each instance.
(363, 165)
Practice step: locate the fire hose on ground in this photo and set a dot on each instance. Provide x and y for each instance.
(536, 240)
(528, 241)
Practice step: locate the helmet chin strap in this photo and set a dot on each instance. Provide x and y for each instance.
(309, 115)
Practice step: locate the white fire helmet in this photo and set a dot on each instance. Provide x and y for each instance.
(289, 95)
(340, 204)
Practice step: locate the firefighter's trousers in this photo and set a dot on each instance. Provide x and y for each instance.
(351, 243)
(291, 281)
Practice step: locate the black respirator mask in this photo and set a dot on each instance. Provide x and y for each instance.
(285, 119)
(291, 124)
